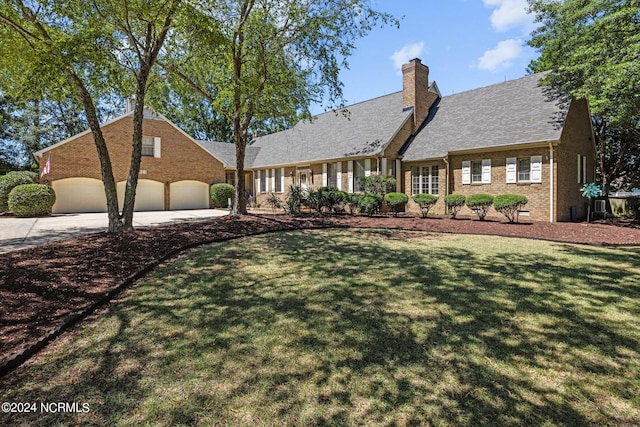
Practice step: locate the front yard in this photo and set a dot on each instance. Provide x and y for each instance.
(357, 327)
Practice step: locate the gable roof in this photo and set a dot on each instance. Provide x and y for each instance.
(365, 131)
(226, 153)
(518, 111)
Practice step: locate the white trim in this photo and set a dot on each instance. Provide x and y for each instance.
(272, 180)
(157, 146)
(383, 165)
(398, 176)
(324, 174)
(511, 170)
(350, 176)
(367, 167)
(282, 180)
(339, 175)
(486, 171)
(551, 185)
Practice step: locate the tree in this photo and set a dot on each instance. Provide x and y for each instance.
(592, 49)
(260, 63)
(86, 49)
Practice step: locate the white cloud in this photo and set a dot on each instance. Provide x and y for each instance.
(407, 53)
(502, 55)
(510, 14)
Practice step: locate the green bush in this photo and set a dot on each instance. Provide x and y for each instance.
(377, 184)
(353, 202)
(11, 180)
(275, 202)
(221, 193)
(311, 199)
(509, 205)
(331, 199)
(426, 202)
(480, 204)
(31, 200)
(370, 204)
(294, 199)
(396, 201)
(454, 202)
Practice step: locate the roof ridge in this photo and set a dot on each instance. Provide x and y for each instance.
(528, 76)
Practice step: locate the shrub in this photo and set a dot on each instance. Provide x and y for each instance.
(275, 202)
(377, 184)
(11, 180)
(396, 201)
(221, 193)
(31, 200)
(330, 198)
(479, 204)
(294, 199)
(311, 199)
(454, 203)
(370, 204)
(426, 202)
(509, 205)
(353, 202)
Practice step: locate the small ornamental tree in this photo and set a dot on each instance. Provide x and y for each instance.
(480, 204)
(221, 193)
(510, 205)
(426, 202)
(590, 191)
(31, 200)
(454, 202)
(396, 201)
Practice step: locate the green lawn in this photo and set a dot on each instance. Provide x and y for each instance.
(358, 327)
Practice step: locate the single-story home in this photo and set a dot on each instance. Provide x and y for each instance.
(512, 137)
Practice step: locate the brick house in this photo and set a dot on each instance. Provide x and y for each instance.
(512, 137)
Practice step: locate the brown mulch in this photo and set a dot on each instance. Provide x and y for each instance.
(42, 288)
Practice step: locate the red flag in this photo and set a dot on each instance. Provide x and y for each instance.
(47, 167)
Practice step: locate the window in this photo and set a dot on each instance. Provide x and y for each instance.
(230, 178)
(476, 172)
(148, 146)
(279, 180)
(358, 173)
(332, 180)
(425, 180)
(263, 180)
(524, 170)
(582, 169)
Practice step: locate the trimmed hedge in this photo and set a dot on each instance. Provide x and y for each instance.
(454, 203)
(479, 204)
(31, 200)
(331, 199)
(426, 202)
(396, 201)
(10, 181)
(221, 193)
(370, 204)
(509, 205)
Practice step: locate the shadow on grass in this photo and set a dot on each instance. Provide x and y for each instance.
(343, 327)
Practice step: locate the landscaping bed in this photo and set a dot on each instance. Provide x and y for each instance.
(43, 287)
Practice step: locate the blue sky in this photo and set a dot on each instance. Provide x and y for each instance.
(465, 43)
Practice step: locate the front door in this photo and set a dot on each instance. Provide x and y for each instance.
(303, 178)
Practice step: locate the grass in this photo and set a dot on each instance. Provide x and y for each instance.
(358, 327)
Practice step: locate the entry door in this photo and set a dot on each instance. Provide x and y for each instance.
(303, 178)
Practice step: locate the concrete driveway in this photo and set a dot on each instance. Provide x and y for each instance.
(18, 233)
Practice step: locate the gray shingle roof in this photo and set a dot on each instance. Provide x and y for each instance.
(226, 153)
(514, 112)
(366, 131)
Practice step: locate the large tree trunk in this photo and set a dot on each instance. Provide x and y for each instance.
(240, 201)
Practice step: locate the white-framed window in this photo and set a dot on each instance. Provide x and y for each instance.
(262, 177)
(524, 169)
(148, 146)
(332, 175)
(425, 180)
(359, 172)
(582, 169)
(476, 172)
(230, 178)
(279, 180)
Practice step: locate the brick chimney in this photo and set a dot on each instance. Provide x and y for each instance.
(415, 89)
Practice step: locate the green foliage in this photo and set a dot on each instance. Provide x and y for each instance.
(509, 205)
(275, 202)
(221, 193)
(480, 204)
(396, 201)
(634, 206)
(331, 199)
(312, 200)
(370, 204)
(353, 202)
(11, 180)
(454, 202)
(377, 184)
(426, 202)
(31, 200)
(294, 199)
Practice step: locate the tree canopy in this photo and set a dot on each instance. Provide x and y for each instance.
(593, 50)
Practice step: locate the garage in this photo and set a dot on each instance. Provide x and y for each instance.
(149, 195)
(79, 195)
(189, 195)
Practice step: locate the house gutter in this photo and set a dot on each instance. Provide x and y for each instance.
(552, 183)
(446, 162)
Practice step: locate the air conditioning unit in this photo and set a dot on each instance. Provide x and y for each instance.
(599, 206)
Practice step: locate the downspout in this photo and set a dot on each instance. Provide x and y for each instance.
(446, 175)
(551, 184)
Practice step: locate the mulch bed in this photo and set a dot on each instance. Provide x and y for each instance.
(47, 288)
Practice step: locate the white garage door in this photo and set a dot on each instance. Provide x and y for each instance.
(149, 195)
(189, 195)
(79, 195)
